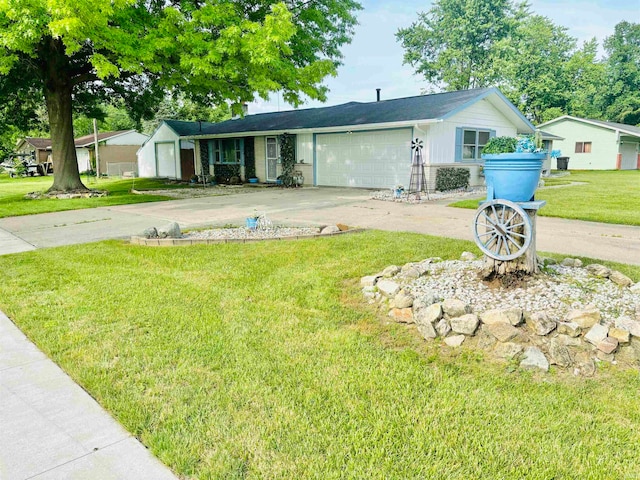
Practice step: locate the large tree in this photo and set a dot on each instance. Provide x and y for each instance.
(454, 44)
(78, 53)
(622, 97)
(532, 66)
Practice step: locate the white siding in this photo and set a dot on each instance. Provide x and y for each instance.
(131, 138)
(147, 154)
(83, 159)
(441, 137)
(628, 155)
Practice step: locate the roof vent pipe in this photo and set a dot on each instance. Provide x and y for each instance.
(378, 94)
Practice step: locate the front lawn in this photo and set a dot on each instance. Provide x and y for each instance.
(13, 203)
(606, 196)
(262, 361)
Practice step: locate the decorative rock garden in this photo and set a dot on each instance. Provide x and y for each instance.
(170, 235)
(570, 316)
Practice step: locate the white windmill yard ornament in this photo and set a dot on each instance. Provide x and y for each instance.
(418, 181)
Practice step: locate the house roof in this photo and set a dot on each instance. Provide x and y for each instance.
(411, 109)
(621, 127)
(39, 143)
(88, 140)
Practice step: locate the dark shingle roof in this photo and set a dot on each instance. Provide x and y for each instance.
(39, 143)
(422, 107)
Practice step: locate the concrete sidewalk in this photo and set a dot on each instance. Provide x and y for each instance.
(9, 243)
(50, 428)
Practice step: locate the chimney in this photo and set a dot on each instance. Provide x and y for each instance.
(245, 108)
(378, 94)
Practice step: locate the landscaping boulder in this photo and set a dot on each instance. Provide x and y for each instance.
(534, 358)
(507, 350)
(584, 365)
(429, 315)
(559, 354)
(388, 288)
(329, 230)
(623, 336)
(390, 271)
(596, 334)
(427, 330)
(403, 300)
(620, 279)
(608, 345)
(454, 307)
(540, 323)
(598, 270)
(150, 233)
(467, 257)
(628, 324)
(401, 315)
(454, 340)
(443, 328)
(503, 332)
(510, 316)
(569, 328)
(465, 324)
(585, 318)
(171, 230)
(368, 281)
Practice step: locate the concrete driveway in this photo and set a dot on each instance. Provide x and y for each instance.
(311, 206)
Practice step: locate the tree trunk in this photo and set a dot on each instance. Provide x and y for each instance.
(58, 90)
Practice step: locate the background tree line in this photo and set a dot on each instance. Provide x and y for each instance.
(463, 44)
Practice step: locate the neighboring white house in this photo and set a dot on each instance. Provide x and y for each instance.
(352, 145)
(595, 144)
(116, 150)
(165, 155)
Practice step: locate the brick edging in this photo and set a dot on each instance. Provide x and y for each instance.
(175, 242)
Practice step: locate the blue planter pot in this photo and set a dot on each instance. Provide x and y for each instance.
(251, 223)
(512, 176)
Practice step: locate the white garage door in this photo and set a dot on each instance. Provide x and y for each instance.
(166, 159)
(364, 159)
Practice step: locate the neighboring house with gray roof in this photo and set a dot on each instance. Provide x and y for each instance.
(595, 144)
(351, 145)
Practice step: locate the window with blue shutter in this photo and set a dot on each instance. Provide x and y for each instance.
(470, 142)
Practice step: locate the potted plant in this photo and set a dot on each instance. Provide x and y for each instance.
(512, 167)
(251, 222)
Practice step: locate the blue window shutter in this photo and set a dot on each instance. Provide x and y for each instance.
(211, 148)
(242, 152)
(458, 154)
(492, 133)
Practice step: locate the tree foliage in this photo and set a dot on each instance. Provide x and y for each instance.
(461, 44)
(81, 53)
(622, 96)
(454, 44)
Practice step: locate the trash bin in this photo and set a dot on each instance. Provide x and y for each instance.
(563, 163)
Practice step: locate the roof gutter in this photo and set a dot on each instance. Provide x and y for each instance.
(333, 129)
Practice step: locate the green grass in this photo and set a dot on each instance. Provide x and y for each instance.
(13, 203)
(606, 196)
(262, 361)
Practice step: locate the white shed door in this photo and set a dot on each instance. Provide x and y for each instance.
(629, 154)
(166, 159)
(364, 159)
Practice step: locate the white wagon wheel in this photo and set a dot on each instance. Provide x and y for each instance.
(502, 229)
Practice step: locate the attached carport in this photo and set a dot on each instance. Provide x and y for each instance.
(371, 159)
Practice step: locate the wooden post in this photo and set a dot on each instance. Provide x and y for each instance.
(526, 263)
(95, 144)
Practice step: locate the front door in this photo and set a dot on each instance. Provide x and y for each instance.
(272, 159)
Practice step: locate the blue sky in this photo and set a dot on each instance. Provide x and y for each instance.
(374, 58)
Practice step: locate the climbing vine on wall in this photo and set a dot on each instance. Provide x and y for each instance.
(288, 158)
